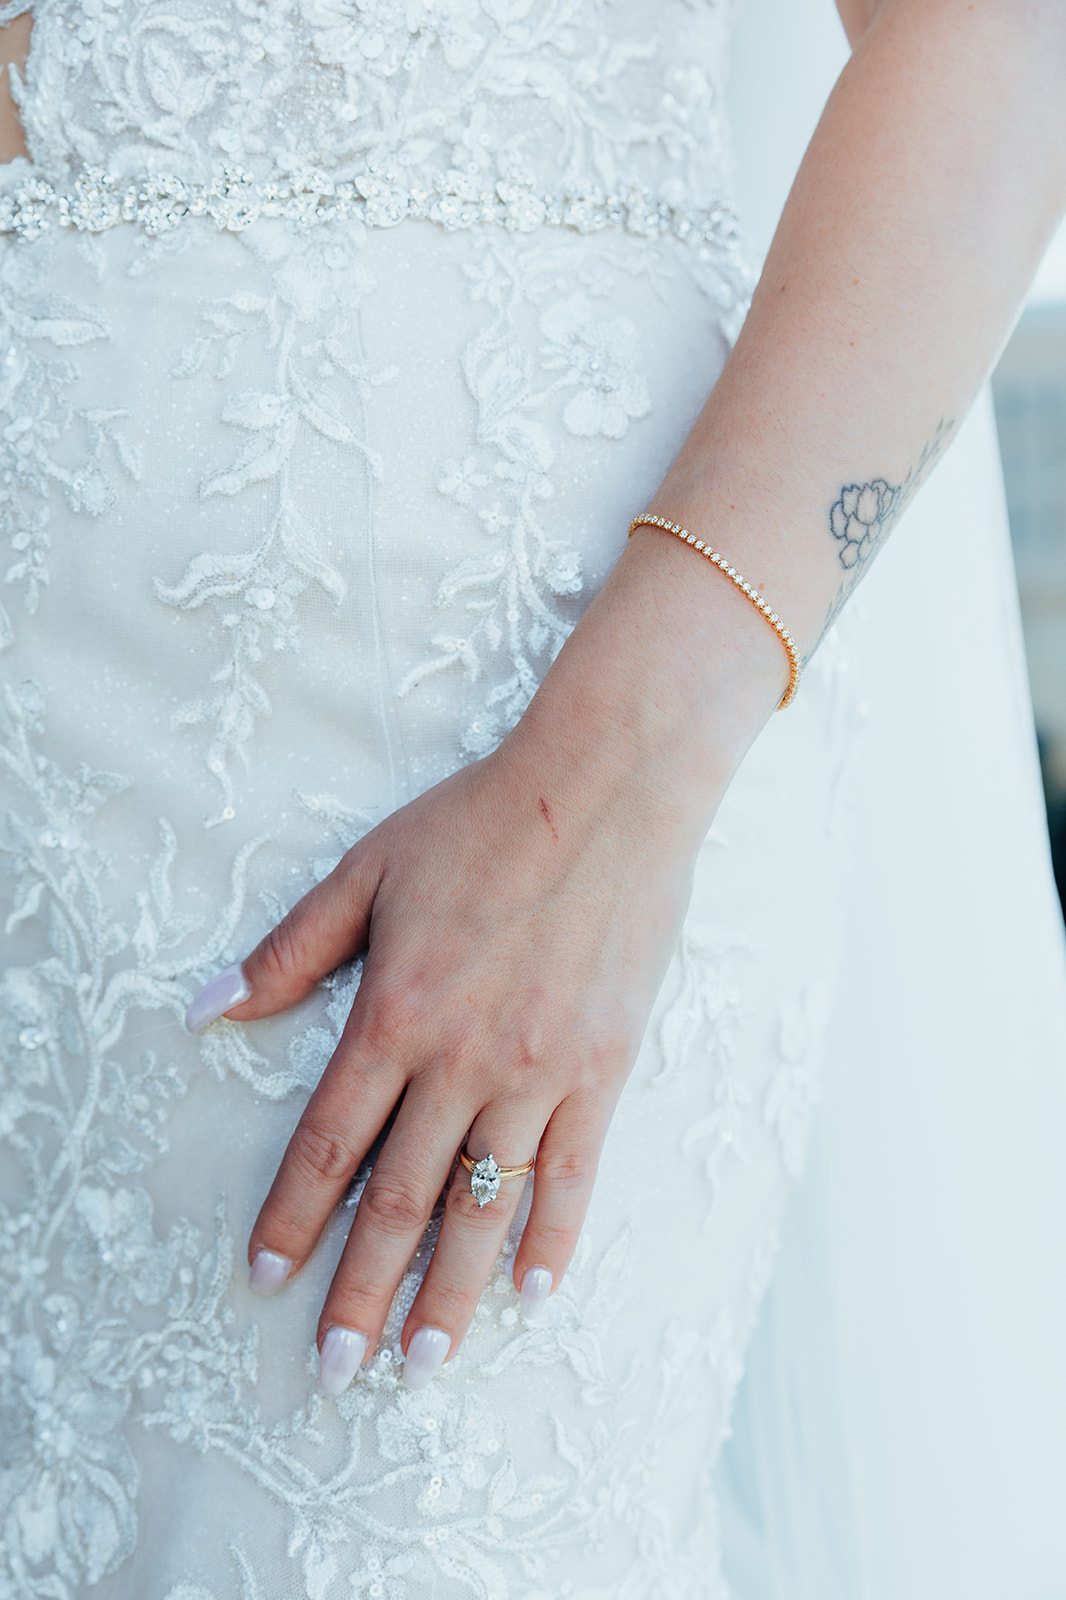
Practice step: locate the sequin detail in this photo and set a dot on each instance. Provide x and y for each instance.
(97, 200)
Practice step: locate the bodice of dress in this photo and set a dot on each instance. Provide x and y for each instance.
(512, 100)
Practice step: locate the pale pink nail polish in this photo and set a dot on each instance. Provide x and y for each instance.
(425, 1356)
(225, 990)
(341, 1357)
(268, 1272)
(536, 1287)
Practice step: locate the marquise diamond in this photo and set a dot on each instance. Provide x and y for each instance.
(485, 1181)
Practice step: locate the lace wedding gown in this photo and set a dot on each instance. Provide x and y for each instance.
(341, 339)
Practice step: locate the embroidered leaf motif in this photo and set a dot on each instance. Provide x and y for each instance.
(266, 582)
(149, 1331)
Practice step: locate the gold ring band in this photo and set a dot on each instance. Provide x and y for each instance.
(486, 1175)
(505, 1172)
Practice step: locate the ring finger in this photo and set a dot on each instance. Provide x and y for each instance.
(471, 1237)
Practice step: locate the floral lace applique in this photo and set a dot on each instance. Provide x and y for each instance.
(39, 422)
(792, 1097)
(144, 1332)
(384, 1491)
(501, 91)
(511, 595)
(254, 594)
(600, 358)
(82, 1119)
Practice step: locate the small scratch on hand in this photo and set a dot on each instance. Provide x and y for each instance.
(546, 813)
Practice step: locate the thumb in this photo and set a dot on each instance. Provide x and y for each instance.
(331, 924)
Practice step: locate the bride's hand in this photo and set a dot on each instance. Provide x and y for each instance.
(516, 922)
(514, 945)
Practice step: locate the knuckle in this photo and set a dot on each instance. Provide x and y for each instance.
(532, 1060)
(390, 1018)
(594, 1056)
(449, 1306)
(349, 877)
(455, 1067)
(567, 1171)
(321, 1152)
(606, 1049)
(461, 1204)
(537, 1047)
(548, 1241)
(278, 953)
(394, 1207)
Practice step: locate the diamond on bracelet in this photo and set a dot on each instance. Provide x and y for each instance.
(96, 200)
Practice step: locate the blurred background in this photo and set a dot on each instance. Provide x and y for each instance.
(774, 99)
(1029, 391)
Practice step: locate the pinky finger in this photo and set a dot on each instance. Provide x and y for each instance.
(567, 1159)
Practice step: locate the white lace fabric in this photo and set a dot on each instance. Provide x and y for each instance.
(297, 517)
(567, 96)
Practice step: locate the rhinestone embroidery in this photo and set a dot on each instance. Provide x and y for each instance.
(97, 200)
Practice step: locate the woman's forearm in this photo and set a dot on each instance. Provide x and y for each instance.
(920, 212)
(931, 186)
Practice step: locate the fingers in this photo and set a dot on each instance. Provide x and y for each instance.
(391, 1217)
(339, 1124)
(330, 925)
(470, 1240)
(562, 1186)
(396, 1207)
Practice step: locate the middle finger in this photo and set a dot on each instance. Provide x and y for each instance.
(393, 1212)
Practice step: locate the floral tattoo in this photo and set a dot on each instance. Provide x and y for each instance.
(861, 518)
(864, 514)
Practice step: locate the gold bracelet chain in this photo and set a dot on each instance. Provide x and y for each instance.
(746, 588)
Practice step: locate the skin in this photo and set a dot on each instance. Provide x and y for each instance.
(518, 918)
(14, 45)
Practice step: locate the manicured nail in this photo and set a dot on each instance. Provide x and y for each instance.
(536, 1287)
(268, 1272)
(225, 990)
(342, 1355)
(425, 1356)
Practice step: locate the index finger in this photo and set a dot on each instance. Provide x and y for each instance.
(339, 1124)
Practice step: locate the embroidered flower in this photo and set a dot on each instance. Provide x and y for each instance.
(362, 35)
(459, 479)
(457, 1444)
(113, 1229)
(380, 37)
(68, 1503)
(602, 359)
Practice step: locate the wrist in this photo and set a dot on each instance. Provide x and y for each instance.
(659, 692)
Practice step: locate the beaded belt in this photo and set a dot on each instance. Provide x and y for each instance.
(97, 200)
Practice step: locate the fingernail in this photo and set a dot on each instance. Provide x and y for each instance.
(268, 1272)
(536, 1287)
(225, 990)
(425, 1356)
(341, 1357)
